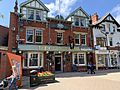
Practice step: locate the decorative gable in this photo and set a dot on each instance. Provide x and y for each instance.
(80, 13)
(109, 18)
(34, 4)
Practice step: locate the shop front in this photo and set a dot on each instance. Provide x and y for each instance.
(53, 58)
(102, 58)
(114, 59)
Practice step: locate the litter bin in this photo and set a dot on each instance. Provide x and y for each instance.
(33, 78)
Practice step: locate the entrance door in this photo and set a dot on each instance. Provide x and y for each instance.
(57, 63)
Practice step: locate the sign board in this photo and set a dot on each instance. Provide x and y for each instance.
(15, 60)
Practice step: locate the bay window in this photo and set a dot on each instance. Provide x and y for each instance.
(79, 59)
(29, 36)
(33, 60)
(38, 36)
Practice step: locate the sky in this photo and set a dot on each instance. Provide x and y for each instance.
(66, 7)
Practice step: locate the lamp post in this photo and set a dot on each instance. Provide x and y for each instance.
(118, 45)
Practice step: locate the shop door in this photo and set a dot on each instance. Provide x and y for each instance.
(57, 63)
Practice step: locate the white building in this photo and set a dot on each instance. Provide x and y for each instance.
(106, 37)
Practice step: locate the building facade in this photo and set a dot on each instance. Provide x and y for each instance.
(106, 37)
(53, 43)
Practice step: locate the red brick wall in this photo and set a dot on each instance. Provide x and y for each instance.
(12, 34)
(4, 35)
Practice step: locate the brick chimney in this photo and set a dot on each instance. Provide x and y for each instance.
(16, 6)
(94, 18)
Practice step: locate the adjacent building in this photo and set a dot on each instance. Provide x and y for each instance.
(106, 36)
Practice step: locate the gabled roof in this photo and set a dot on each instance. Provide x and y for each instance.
(29, 1)
(104, 17)
(80, 8)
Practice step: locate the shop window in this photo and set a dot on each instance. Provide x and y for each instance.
(101, 59)
(29, 36)
(83, 39)
(77, 39)
(33, 60)
(38, 38)
(79, 59)
(59, 38)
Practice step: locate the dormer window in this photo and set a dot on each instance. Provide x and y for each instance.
(38, 15)
(31, 14)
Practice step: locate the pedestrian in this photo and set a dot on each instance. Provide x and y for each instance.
(90, 68)
(13, 78)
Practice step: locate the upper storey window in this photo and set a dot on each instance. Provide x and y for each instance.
(34, 10)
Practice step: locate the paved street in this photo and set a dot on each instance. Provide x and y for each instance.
(102, 80)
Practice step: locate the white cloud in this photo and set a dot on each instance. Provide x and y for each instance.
(65, 7)
(116, 12)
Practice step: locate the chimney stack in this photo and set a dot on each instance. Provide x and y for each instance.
(94, 18)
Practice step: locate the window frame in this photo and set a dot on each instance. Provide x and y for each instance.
(110, 41)
(61, 38)
(41, 36)
(77, 38)
(84, 39)
(32, 37)
(78, 64)
(40, 54)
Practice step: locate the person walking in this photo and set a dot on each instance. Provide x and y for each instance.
(13, 77)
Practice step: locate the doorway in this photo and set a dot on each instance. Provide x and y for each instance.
(58, 63)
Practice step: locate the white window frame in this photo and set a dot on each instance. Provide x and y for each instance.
(77, 38)
(81, 39)
(41, 36)
(39, 53)
(78, 59)
(61, 38)
(32, 38)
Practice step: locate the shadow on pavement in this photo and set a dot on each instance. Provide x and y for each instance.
(84, 74)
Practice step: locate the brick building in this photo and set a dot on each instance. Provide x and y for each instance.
(53, 43)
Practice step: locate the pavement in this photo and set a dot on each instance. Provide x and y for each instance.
(102, 80)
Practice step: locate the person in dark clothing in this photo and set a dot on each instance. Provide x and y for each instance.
(90, 68)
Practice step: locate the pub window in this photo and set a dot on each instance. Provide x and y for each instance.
(76, 21)
(29, 36)
(38, 38)
(77, 39)
(59, 38)
(30, 14)
(25, 61)
(33, 60)
(83, 39)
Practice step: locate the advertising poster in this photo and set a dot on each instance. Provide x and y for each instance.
(15, 60)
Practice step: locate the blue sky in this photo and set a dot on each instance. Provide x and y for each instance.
(67, 6)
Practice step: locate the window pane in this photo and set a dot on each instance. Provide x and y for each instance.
(110, 41)
(29, 35)
(81, 59)
(77, 21)
(75, 59)
(38, 36)
(40, 59)
(33, 61)
(83, 39)
(59, 37)
(38, 15)
(31, 14)
(77, 39)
